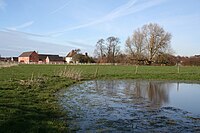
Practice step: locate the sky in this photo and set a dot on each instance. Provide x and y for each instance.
(58, 26)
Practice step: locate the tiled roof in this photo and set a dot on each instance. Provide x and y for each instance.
(26, 54)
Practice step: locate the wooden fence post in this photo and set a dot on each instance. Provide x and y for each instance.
(178, 69)
(96, 72)
(136, 69)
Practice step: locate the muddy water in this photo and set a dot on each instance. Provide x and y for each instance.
(132, 106)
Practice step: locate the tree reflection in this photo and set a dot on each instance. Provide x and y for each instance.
(156, 92)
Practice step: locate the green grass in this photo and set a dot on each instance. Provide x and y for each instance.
(34, 107)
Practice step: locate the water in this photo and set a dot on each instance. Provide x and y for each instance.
(132, 106)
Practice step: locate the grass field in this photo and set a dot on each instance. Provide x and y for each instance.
(28, 101)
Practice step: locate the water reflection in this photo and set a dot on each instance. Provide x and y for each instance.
(156, 92)
(132, 106)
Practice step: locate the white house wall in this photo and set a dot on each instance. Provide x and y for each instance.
(68, 59)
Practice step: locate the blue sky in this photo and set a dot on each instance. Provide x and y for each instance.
(57, 26)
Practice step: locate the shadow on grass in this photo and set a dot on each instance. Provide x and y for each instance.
(19, 119)
(25, 110)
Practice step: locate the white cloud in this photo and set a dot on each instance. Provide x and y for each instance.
(21, 26)
(131, 7)
(2, 5)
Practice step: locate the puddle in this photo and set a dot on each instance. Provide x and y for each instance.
(132, 106)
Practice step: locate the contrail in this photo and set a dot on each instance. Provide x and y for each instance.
(24, 25)
(128, 8)
(60, 8)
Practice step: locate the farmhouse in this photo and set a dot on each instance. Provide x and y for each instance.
(69, 56)
(28, 57)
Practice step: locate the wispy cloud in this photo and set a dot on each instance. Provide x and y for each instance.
(78, 44)
(60, 8)
(16, 35)
(131, 7)
(22, 33)
(13, 43)
(2, 5)
(21, 26)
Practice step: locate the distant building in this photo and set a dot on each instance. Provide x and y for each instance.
(51, 59)
(69, 56)
(54, 59)
(5, 59)
(42, 58)
(34, 57)
(9, 59)
(197, 56)
(28, 57)
(14, 59)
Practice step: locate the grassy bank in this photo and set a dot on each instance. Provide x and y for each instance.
(28, 100)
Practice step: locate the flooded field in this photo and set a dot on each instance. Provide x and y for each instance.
(132, 106)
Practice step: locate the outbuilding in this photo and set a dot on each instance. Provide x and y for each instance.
(28, 57)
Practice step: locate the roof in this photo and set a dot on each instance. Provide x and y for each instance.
(55, 58)
(43, 56)
(26, 54)
(51, 57)
(72, 53)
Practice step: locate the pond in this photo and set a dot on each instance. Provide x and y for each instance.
(132, 106)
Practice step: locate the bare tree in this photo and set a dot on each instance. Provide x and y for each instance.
(107, 49)
(113, 48)
(148, 42)
(100, 51)
(129, 46)
(100, 48)
(135, 45)
(156, 39)
(138, 42)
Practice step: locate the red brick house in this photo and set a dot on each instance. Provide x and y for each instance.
(29, 57)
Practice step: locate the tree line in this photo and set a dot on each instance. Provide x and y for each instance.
(148, 44)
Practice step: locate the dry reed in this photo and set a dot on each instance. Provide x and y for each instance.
(7, 64)
(71, 73)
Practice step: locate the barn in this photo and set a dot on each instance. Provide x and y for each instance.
(50, 59)
(28, 57)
